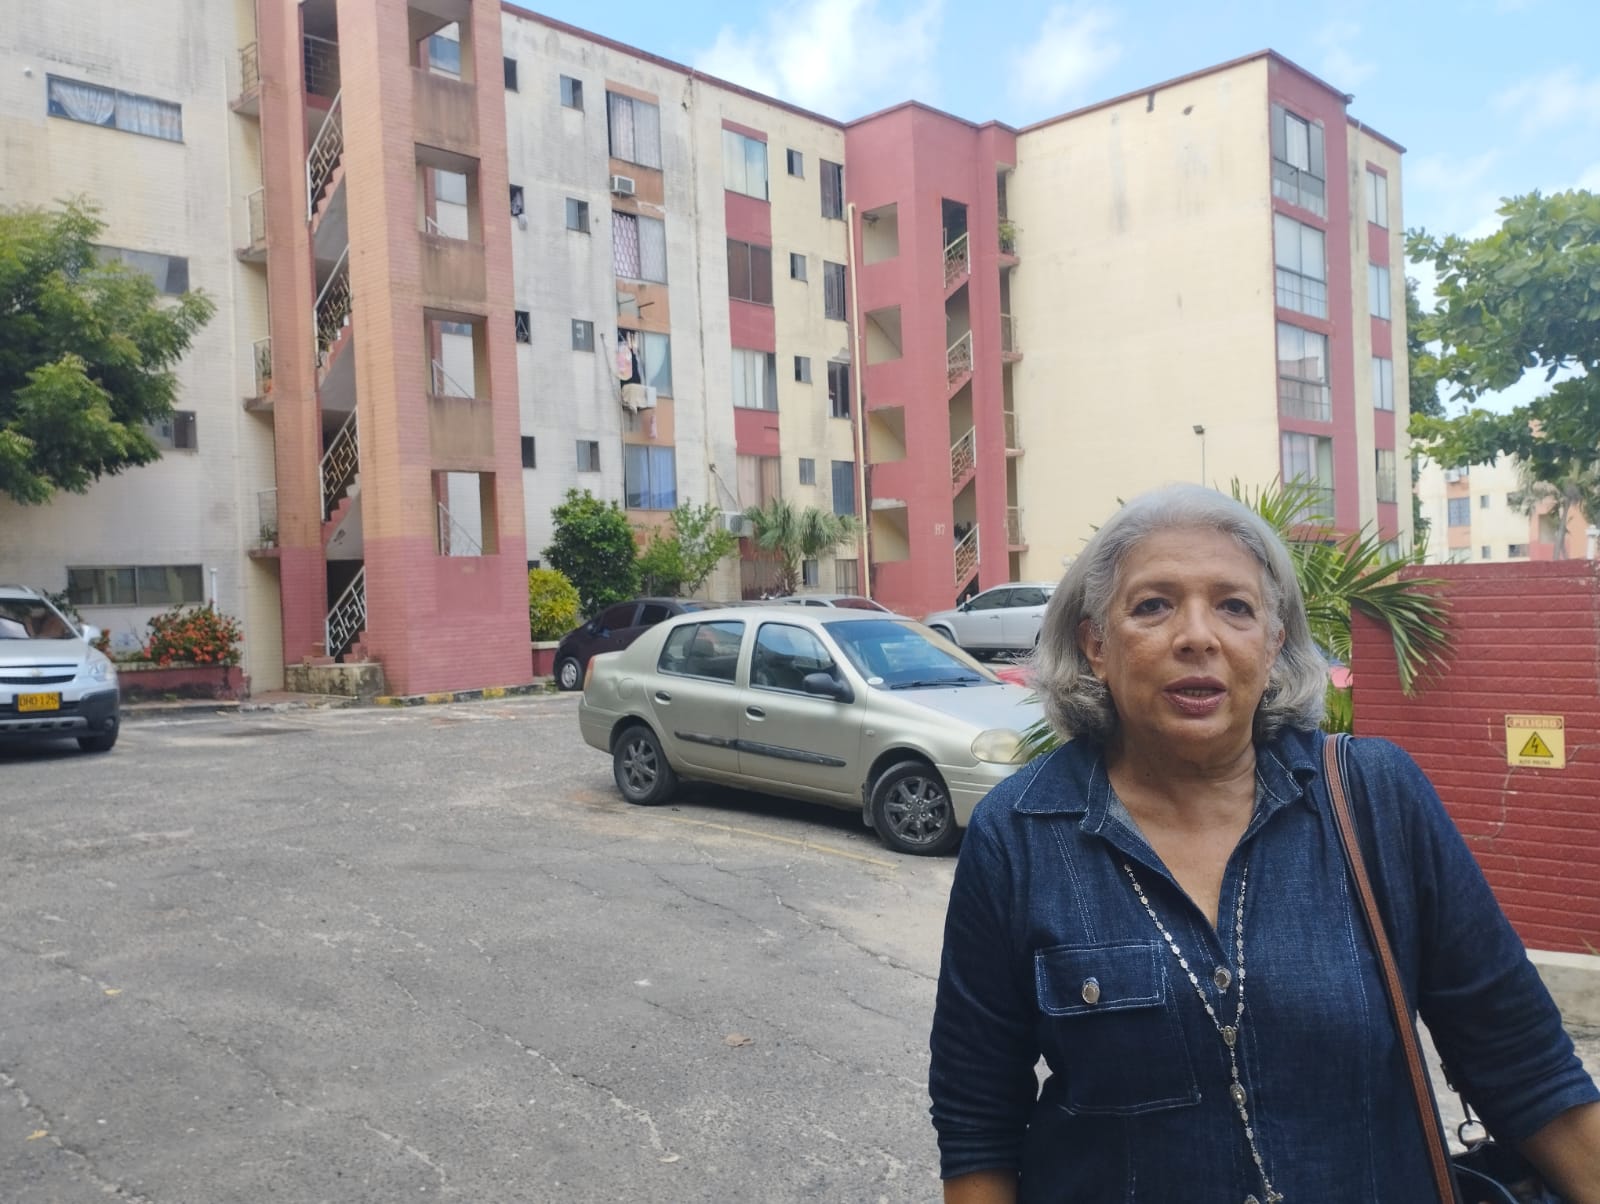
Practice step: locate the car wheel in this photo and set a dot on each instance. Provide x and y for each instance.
(104, 742)
(911, 810)
(945, 632)
(641, 769)
(569, 674)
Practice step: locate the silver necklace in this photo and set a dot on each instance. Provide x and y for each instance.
(1228, 1032)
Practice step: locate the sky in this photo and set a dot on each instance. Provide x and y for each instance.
(1491, 98)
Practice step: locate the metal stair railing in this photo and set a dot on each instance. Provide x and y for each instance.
(1014, 526)
(957, 260)
(454, 539)
(348, 618)
(964, 455)
(967, 554)
(958, 358)
(334, 303)
(341, 464)
(326, 151)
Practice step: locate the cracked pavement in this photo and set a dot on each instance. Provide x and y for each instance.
(373, 955)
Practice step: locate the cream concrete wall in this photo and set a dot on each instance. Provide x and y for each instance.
(178, 199)
(1146, 283)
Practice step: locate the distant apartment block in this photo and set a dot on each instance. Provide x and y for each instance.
(1476, 514)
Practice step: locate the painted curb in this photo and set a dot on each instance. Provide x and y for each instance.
(444, 696)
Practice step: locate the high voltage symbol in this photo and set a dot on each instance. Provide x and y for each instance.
(1535, 747)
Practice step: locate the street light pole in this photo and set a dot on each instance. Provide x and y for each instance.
(1200, 430)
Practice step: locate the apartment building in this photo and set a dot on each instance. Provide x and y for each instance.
(1474, 517)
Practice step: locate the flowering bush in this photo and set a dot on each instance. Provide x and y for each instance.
(196, 636)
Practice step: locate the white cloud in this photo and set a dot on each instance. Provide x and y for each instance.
(1073, 48)
(838, 57)
(1338, 63)
(1557, 98)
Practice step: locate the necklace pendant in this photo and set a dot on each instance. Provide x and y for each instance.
(1229, 1035)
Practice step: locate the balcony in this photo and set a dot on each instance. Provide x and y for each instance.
(957, 261)
(247, 92)
(254, 248)
(453, 271)
(1010, 344)
(1013, 435)
(445, 112)
(958, 360)
(1008, 240)
(266, 522)
(1014, 540)
(261, 355)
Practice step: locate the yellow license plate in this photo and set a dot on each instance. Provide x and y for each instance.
(38, 702)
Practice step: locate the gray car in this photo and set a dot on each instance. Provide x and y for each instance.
(54, 684)
(1003, 619)
(857, 709)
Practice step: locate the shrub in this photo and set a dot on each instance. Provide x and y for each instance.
(552, 604)
(593, 545)
(198, 635)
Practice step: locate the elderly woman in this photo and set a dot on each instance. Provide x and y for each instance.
(1110, 896)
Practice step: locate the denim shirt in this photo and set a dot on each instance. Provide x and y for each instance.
(1136, 1107)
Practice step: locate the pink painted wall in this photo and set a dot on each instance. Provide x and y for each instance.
(751, 325)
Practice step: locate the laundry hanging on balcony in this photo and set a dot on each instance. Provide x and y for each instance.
(629, 370)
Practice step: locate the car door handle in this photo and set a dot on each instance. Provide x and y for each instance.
(755, 712)
(663, 696)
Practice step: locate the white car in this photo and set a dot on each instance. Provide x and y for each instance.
(54, 684)
(1003, 619)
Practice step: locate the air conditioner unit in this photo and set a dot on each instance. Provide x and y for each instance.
(622, 185)
(734, 522)
(1452, 475)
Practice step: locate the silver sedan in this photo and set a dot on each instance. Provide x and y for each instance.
(853, 708)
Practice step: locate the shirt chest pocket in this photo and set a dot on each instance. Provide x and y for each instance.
(1109, 1029)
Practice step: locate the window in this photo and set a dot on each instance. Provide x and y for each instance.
(176, 432)
(832, 189)
(797, 266)
(582, 335)
(844, 487)
(127, 111)
(1483, 501)
(744, 165)
(518, 207)
(995, 599)
(169, 273)
(847, 576)
(1303, 374)
(808, 573)
(444, 55)
(1300, 253)
(136, 585)
(649, 477)
(635, 130)
(755, 379)
(1377, 198)
(1378, 290)
(577, 215)
(1516, 549)
(639, 247)
(588, 455)
(1458, 512)
(571, 93)
(1298, 173)
(802, 369)
(524, 326)
(511, 73)
(1386, 487)
(808, 471)
(703, 650)
(655, 352)
(1484, 552)
(1309, 460)
(530, 457)
(833, 290)
(838, 389)
(784, 656)
(749, 272)
(1382, 383)
(759, 479)
(797, 163)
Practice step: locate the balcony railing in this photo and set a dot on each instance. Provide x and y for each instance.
(963, 456)
(334, 304)
(326, 151)
(255, 210)
(1014, 527)
(321, 66)
(1318, 507)
(454, 539)
(1008, 238)
(957, 260)
(341, 464)
(249, 69)
(348, 618)
(1009, 342)
(445, 385)
(267, 518)
(958, 358)
(967, 554)
(262, 355)
(1013, 439)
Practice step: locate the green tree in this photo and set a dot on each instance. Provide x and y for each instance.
(1524, 297)
(1422, 373)
(790, 536)
(679, 563)
(87, 352)
(593, 545)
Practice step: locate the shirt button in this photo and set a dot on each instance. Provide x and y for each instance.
(1091, 991)
(1222, 978)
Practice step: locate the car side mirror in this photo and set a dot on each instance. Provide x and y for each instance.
(964, 607)
(828, 686)
(91, 633)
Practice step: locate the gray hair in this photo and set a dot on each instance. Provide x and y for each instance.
(1078, 704)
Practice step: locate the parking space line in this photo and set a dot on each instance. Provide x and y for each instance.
(803, 844)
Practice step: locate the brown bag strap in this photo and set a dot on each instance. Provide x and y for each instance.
(1438, 1156)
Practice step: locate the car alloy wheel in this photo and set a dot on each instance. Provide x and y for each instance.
(569, 674)
(641, 769)
(911, 810)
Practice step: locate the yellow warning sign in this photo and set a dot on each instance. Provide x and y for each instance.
(1536, 740)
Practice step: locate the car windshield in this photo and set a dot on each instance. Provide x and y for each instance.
(30, 619)
(897, 655)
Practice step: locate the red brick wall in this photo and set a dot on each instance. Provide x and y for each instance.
(1526, 641)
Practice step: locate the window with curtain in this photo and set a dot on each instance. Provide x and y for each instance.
(127, 111)
(832, 175)
(1303, 374)
(744, 165)
(844, 487)
(1458, 512)
(638, 247)
(755, 379)
(1378, 290)
(635, 129)
(1386, 485)
(655, 350)
(749, 272)
(760, 480)
(847, 576)
(1382, 383)
(838, 389)
(808, 471)
(1299, 174)
(136, 585)
(649, 477)
(1301, 255)
(1377, 198)
(1308, 459)
(833, 290)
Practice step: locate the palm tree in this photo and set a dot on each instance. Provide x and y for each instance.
(790, 536)
(1578, 487)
